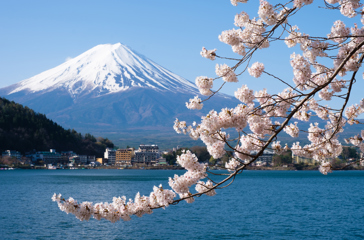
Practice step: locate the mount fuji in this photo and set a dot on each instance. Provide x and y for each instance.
(111, 88)
(102, 70)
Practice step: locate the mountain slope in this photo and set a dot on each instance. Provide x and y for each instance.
(112, 88)
(23, 129)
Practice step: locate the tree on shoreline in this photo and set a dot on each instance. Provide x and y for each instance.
(325, 68)
(282, 159)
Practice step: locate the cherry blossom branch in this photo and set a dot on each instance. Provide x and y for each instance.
(289, 104)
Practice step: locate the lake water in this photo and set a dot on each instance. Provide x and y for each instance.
(258, 205)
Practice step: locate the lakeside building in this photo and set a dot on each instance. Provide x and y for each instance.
(91, 159)
(307, 161)
(146, 155)
(33, 156)
(123, 157)
(110, 155)
(66, 155)
(265, 159)
(74, 161)
(51, 157)
(12, 154)
(83, 159)
(161, 162)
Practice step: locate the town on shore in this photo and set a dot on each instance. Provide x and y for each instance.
(151, 157)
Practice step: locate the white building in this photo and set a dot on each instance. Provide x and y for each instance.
(110, 155)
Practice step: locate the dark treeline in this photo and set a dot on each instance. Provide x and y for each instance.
(23, 130)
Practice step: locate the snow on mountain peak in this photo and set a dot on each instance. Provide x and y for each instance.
(105, 69)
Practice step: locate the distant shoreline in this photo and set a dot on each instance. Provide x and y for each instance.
(250, 168)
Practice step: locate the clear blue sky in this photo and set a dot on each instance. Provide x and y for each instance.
(39, 35)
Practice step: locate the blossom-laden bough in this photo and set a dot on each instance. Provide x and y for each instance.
(325, 69)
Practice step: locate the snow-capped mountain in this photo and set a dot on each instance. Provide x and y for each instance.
(111, 88)
(104, 69)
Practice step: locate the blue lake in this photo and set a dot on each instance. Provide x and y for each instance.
(258, 205)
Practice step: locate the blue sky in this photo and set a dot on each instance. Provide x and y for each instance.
(39, 35)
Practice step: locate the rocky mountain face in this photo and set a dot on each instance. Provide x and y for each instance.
(111, 88)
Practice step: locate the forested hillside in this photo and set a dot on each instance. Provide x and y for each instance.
(23, 130)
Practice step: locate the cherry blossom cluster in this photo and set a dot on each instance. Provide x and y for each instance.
(119, 208)
(324, 143)
(235, 2)
(357, 140)
(351, 65)
(303, 113)
(292, 130)
(180, 126)
(248, 144)
(300, 3)
(348, 8)
(204, 84)
(227, 73)
(245, 95)
(311, 48)
(339, 32)
(276, 146)
(194, 103)
(266, 13)
(284, 101)
(266, 102)
(256, 69)
(353, 112)
(301, 71)
(232, 164)
(210, 54)
(325, 167)
(321, 112)
(294, 37)
(205, 187)
(251, 33)
(195, 172)
(209, 131)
